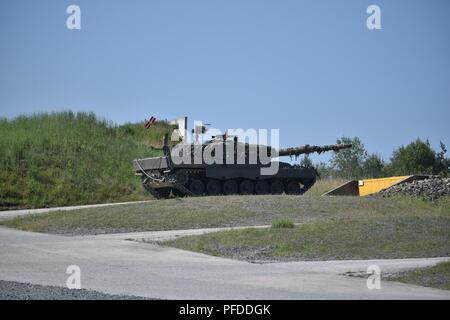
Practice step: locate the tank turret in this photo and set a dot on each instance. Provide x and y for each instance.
(234, 151)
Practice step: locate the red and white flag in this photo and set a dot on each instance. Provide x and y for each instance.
(149, 122)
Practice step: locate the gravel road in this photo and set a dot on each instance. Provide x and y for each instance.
(131, 268)
(11, 290)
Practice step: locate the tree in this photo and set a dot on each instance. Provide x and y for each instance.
(442, 166)
(416, 158)
(373, 166)
(349, 162)
(306, 161)
(325, 170)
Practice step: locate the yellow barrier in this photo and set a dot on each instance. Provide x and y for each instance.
(369, 186)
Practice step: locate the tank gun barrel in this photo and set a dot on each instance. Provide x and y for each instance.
(307, 149)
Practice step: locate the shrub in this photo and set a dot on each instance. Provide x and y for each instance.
(282, 223)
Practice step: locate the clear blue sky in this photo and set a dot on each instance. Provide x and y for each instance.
(310, 68)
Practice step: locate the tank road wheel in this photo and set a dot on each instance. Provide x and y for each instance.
(213, 187)
(181, 177)
(262, 187)
(276, 187)
(293, 187)
(230, 187)
(197, 187)
(247, 187)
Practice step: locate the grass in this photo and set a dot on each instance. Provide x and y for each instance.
(187, 213)
(282, 223)
(66, 158)
(324, 185)
(152, 137)
(437, 276)
(420, 230)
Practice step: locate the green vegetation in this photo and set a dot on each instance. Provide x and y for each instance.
(229, 211)
(419, 157)
(282, 223)
(71, 158)
(324, 185)
(349, 162)
(437, 276)
(419, 230)
(415, 158)
(152, 138)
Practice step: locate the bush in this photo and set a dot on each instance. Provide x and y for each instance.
(282, 223)
(416, 158)
(419, 158)
(348, 163)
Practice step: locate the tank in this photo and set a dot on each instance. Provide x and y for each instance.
(224, 166)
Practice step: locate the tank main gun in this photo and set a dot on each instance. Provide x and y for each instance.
(248, 150)
(307, 149)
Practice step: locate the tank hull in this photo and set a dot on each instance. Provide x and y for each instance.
(163, 179)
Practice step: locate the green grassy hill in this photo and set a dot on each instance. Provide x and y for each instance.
(71, 158)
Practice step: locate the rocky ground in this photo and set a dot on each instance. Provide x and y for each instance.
(10, 290)
(431, 189)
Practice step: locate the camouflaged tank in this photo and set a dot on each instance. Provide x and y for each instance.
(226, 166)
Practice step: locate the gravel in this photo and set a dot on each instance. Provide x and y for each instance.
(431, 189)
(10, 290)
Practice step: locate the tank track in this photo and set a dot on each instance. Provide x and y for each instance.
(184, 191)
(173, 185)
(151, 190)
